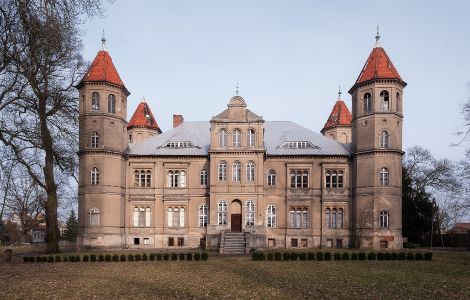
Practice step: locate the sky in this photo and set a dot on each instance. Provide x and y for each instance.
(289, 58)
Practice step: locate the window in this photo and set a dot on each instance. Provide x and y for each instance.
(294, 242)
(299, 145)
(367, 103)
(175, 216)
(95, 101)
(94, 217)
(203, 177)
(203, 215)
(222, 213)
(299, 179)
(169, 217)
(237, 138)
(333, 179)
(146, 241)
(136, 241)
(271, 177)
(95, 176)
(95, 140)
(223, 138)
(384, 139)
(303, 243)
(339, 243)
(179, 145)
(236, 171)
(131, 140)
(384, 100)
(142, 216)
(271, 216)
(142, 178)
(180, 241)
(222, 170)
(250, 213)
(333, 218)
(383, 177)
(383, 220)
(339, 223)
(299, 217)
(176, 179)
(111, 104)
(384, 244)
(250, 171)
(171, 241)
(398, 101)
(251, 138)
(328, 217)
(271, 242)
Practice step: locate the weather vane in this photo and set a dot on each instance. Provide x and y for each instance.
(103, 42)
(377, 38)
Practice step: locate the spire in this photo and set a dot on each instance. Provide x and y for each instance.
(103, 42)
(236, 91)
(339, 92)
(377, 38)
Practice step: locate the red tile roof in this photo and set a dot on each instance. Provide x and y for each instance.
(340, 116)
(143, 117)
(103, 69)
(378, 66)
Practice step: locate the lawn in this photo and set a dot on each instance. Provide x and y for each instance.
(448, 276)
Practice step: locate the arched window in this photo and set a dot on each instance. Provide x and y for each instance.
(222, 212)
(203, 177)
(271, 216)
(299, 217)
(250, 171)
(340, 179)
(250, 213)
(223, 138)
(136, 216)
(251, 138)
(95, 176)
(176, 217)
(142, 217)
(367, 103)
(169, 217)
(148, 216)
(328, 218)
(340, 218)
(384, 100)
(384, 139)
(237, 138)
(95, 139)
(94, 217)
(95, 101)
(333, 218)
(182, 217)
(111, 104)
(236, 171)
(383, 220)
(131, 140)
(203, 215)
(383, 177)
(271, 177)
(222, 170)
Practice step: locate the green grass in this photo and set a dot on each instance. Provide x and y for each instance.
(239, 277)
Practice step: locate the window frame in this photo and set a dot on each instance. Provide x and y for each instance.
(384, 100)
(203, 215)
(271, 217)
(203, 177)
(384, 219)
(95, 102)
(250, 171)
(142, 178)
(384, 139)
(222, 210)
(95, 140)
(271, 177)
(95, 176)
(299, 178)
(237, 138)
(250, 213)
(236, 171)
(222, 171)
(94, 215)
(367, 103)
(176, 178)
(251, 138)
(111, 104)
(223, 137)
(384, 177)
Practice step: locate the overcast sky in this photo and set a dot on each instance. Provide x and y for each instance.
(289, 57)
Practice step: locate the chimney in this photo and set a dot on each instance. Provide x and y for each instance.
(177, 120)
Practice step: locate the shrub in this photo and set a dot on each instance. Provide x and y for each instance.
(410, 256)
(428, 256)
(401, 256)
(277, 256)
(86, 258)
(410, 245)
(394, 256)
(144, 257)
(388, 256)
(78, 258)
(345, 256)
(43, 259)
(130, 257)
(380, 256)
(159, 256)
(50, 259)
(65, 259)
(204, 256)
(337, 256)
(71, 258)
(152, 257)
(107, 257)
(166, 256)
(37, 259)
(419, 256)
(174, 256)
(115, 257)
(197, 256)
(189, 256)
(319, 256)
(327, 256)
(25, 259)
(93, 257)
(101, 257)
(181, 256)
(58, 258)
(123, 258)
(255, 255)
(137, 257)
(294, 256)
(303, 256)
(286, 256)
(371, 256)
(354, 256)
(270, 256)
(362, 256)
(311, 256)
(262, 256)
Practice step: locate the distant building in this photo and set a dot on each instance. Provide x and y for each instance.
(461, 228)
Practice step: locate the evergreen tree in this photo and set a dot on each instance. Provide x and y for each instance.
(71, 232)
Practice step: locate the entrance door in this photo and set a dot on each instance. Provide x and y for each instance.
(236, 222)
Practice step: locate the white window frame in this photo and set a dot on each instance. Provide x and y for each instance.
(251, 138)
(250, 171)
(384, 177)
(299, 179)
(237, 138)
(111, 104)
(271, 216)
(94, 217)
(142, 178)
(222, 170)
(384, 140)
(236, 171)
(271, 177)
(250, 213)
(203, 180)
(176, 178)
(95, 101)
(299, 217)
(95, 176)
(367, 103)
(222, 209)
(384, 218)
(385, 100)
(223, 138)
(203, 215)
(95, 140)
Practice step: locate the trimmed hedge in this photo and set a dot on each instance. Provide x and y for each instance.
(354, 256)
(337, 256)
(371, 256)
(311, 256)
(123, 258)
(294, 255)
(327, 256)
(345, 256)
(428, 256)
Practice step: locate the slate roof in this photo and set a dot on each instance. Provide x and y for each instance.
(340, 116)
(276, 133)
(378, 66)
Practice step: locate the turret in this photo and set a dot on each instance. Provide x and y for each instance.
(338, 125)
(142, 124)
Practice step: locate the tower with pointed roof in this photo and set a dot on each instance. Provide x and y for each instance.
(142, 124)
(377, 120)
(338, 125)
(102, 158)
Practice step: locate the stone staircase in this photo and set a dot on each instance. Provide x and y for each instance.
(232, 243)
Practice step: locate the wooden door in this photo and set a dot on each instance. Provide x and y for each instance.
(236, 222)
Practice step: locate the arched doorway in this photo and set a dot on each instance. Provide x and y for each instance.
(236, 216)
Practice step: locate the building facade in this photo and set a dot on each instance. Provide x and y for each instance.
(275, 184)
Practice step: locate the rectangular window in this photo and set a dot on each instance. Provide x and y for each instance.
(271, 242)
(146, 241)
(384, 244)
(299, 217)
(171, 241)
(294, 242)
(339, 243)
(136, 241)
(329, 243)
(142, 178)
(304, 243)
(333, 179)
(299, 179)
(180, 241)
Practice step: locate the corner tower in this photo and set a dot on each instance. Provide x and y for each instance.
(338, 125)
(377, 120)
(102, 145)
(142, 124)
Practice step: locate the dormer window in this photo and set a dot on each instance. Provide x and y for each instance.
(298, 145)
(174, 145)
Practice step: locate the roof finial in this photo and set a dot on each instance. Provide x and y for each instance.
(236, 91)
(143, 99)
(377, 38)
(103, 42)
(339, 92)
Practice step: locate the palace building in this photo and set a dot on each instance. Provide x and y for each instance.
(237, 182)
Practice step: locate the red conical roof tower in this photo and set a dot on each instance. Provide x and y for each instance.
(339, 116)
(143, 118)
